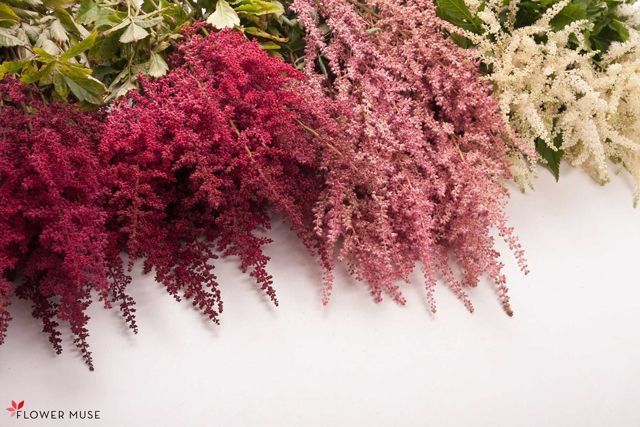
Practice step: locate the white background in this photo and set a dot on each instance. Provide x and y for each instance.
(569, 357)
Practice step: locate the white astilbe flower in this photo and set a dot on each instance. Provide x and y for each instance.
(549, 89)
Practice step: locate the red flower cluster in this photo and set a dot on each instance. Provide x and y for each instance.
(53, 243)
(197, 157)
(174, 175)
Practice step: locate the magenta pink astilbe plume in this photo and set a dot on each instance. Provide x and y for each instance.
(197, 158)
(415, 161)
(54, 247)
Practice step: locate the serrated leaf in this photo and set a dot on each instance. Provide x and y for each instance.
(70, 24)
(7, 39)
(88, 12)
(85, 88)
(552, 157)
(80, 47)
(121, 90)
(58, 32)
(133, 33)
(224, 16)
(157, 66)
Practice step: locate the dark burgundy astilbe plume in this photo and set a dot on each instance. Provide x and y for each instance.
(54, 248)
(195, 160)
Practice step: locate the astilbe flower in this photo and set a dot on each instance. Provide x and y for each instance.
(415, 160)
(54, 248)
(551, 90)
(195, 160)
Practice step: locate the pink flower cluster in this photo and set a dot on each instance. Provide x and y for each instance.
(413, 174)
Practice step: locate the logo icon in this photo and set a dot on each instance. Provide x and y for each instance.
(15, 407)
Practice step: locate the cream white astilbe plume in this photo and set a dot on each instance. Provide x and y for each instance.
(550, 90)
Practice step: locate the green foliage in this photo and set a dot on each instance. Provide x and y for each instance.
(552, 155)
(457, 12)
(608, 25)
(93, 51)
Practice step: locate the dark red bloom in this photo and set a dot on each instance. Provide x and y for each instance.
(198, 156)
(54, 247)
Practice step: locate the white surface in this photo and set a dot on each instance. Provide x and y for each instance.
(570, 356)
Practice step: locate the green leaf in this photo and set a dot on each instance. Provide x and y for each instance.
(121, 90)
(59, 85)
(43, 55)
(70, 24)
(224, 16)
(552, 157)
(157, 66)
(88, 12)
(107, 18)
(269, 45)
(259, 33)
(13, 66)
(621, 29)
(133, 33)
(7, 39)
(53, 4)
(7, 13)
(58, 32)
(50, 47)
(457, 12)
(148, 22)
(30, 75)
(570, 13)
(112, 20)
(85, 87)
(260, 7)
(80, 47)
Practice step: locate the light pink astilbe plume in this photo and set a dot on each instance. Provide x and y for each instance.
(415, 159)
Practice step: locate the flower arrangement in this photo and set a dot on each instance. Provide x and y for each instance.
(383, 132)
